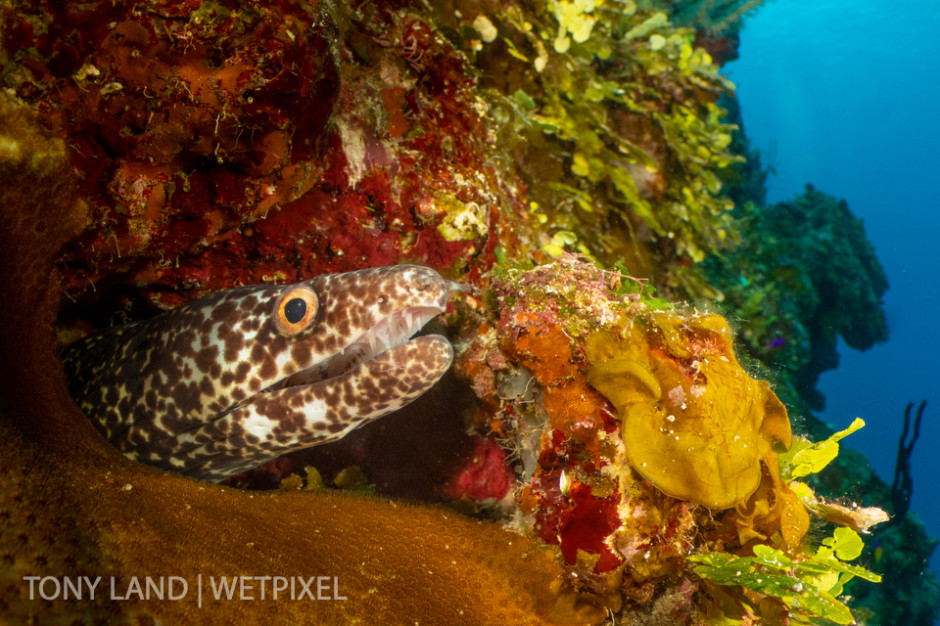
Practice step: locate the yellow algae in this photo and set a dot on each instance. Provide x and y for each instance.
(771, 508)
(620, 367)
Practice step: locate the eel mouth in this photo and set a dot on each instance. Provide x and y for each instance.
(391, 332)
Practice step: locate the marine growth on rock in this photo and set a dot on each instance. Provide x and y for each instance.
(639, 442)
(156, 152)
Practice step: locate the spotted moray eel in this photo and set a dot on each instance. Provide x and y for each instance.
(231, 380)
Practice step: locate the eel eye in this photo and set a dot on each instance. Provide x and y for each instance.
(297, 309)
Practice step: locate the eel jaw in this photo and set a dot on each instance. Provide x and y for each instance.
(391, 332)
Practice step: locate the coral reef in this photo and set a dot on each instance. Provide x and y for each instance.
(203, 145)
(209, 160)
(805, 273)
(71, 505)
(643, 449)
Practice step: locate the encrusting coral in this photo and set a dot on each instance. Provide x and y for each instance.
(243, 143)
(71, 505)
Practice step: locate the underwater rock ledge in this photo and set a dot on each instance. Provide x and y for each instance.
(71, 505)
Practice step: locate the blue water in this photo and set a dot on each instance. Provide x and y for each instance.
(847, 92)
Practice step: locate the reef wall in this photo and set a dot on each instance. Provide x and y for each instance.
(152, 152)
(73, 506)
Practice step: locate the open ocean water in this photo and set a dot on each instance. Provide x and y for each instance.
(845, 95)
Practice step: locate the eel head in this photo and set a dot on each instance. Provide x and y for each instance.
(233, 379)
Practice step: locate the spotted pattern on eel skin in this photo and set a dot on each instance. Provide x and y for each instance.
(226, 382)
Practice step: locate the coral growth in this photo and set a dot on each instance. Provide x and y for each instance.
(805, 274)
(641, 441)
(210, 160)
(71, 505)
(630, 106)
(220, 143)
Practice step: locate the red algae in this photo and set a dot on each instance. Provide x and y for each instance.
(586, 525)
(222, 144)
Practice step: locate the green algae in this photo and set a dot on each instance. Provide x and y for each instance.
(616, 114)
